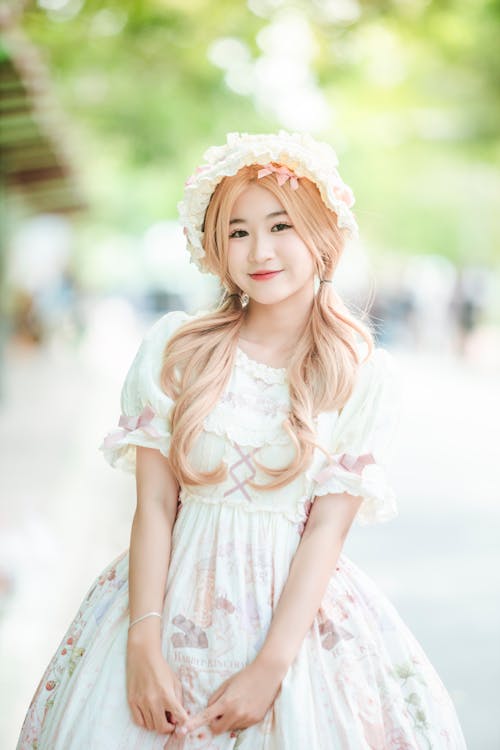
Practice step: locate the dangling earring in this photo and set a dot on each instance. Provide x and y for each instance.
(244, 298)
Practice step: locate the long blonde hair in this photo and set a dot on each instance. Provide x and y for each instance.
(321, 373)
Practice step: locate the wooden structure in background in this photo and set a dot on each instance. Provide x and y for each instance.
(35, 163)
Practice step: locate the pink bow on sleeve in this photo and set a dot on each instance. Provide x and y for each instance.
(129, 424)
(347, 461)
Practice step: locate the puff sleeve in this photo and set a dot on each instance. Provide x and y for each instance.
(363, 436)
(145, 407)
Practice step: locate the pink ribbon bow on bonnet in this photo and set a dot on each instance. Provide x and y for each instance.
(342, 191)
(282, 174)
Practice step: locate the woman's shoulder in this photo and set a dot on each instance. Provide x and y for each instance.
(379, 363)
(378, 354)
(166, 325)
(142, 381)
(147, 362)
(375, 374)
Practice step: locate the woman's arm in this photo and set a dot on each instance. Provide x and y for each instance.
(312, 566)
(150, 541)
(154, 691)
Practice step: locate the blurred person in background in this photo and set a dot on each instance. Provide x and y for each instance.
(467, 304)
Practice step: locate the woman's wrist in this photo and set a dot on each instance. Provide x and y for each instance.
(275, 664)
(143, 617)
(145, 634)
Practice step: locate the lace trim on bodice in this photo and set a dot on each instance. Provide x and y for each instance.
(260, 370)
(253, 406)
(245, 434)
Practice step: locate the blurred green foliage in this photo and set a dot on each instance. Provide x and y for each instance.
(413, 86)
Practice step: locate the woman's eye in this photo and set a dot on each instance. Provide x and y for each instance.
(235, 233)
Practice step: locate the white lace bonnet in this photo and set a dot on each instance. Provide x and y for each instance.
(299, 152)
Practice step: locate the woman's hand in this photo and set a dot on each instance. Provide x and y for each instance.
(154, 692)
(240, 701)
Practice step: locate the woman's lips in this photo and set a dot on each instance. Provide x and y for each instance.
(264, 276)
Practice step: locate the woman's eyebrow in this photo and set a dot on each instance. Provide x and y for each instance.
(269, 216)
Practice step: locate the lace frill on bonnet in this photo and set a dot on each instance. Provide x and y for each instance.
(300, 152)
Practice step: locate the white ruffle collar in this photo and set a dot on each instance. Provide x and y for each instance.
(260, 370)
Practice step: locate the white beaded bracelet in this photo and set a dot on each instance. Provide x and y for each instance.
(149, 614)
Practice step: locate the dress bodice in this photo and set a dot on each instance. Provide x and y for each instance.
(246, 422)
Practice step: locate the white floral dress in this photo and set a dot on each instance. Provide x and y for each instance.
(360, 680)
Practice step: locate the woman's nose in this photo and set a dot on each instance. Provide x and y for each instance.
(261, 248)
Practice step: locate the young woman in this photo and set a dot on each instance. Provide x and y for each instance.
(257, 433)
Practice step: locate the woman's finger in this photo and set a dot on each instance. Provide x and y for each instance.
(217, 694)
(151, 723)
(161, 723)
(137, 716)
(203, 718)
(179, 713)
(170, 718)
(221, 724)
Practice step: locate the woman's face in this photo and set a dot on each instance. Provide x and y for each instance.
(261, 241)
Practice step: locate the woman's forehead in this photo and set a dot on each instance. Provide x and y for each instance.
(256, 202)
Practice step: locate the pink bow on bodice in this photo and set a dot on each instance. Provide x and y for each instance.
(128, 424)
(347, 461)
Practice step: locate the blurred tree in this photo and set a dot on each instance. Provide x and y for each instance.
(412, 89)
